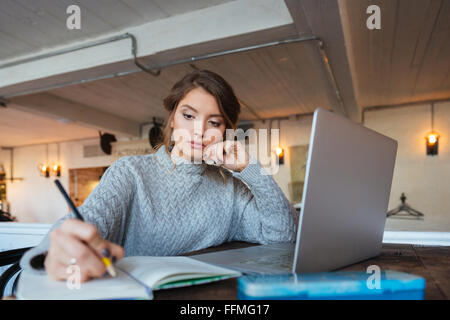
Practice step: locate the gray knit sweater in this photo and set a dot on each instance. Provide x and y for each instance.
(152, 207)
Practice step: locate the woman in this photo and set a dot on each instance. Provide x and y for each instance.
(177, 199)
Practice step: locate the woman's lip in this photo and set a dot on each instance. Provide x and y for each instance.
(197, 145)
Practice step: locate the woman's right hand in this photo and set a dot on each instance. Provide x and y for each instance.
(75, 240)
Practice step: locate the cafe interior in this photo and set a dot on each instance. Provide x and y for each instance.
(81, 89)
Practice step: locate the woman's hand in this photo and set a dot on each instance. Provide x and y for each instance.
(78, 243)
(229, 154)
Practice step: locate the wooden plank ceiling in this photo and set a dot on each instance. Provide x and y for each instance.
(275, 81)
(408, 60)
(18, 128)
(28, 26)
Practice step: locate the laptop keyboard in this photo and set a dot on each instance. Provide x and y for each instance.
(281, 261)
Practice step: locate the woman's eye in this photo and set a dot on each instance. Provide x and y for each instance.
(215, 124)
(188, 116)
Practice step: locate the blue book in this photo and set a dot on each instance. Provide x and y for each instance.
(341, 285)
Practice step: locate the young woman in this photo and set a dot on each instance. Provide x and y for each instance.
(177, 199)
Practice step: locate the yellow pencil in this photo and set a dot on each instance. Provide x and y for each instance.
(109, 267)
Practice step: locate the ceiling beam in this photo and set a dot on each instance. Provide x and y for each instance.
(232, 20)
(298, 16)
(322, 19)
(63, 110)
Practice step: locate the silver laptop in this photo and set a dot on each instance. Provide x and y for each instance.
(345, 198)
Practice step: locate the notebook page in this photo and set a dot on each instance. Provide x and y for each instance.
(151, 270)
(40, 287)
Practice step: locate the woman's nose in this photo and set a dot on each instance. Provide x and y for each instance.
(199, 128)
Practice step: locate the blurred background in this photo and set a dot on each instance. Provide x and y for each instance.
(75, 95)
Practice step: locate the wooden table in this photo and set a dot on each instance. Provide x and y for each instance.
(432, 263)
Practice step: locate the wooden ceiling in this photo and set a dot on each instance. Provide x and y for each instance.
(18, 128)
(274, 81)
(29, 26)
(408, 60)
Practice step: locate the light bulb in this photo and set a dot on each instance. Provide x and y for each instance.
(432, 138)
(278, 151)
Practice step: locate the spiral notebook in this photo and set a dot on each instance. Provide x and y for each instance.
(136, 278)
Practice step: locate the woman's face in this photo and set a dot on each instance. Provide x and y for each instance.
(197, 122)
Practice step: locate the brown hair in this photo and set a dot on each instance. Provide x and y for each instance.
(214, 84)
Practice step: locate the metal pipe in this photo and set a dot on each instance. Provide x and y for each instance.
(331, 76)
(63, 51)
(85, 46)
(294, 117)
(136, 62)
(250, 109)
(231, 51)
(69, 83)
(187, 60)
(398, 105)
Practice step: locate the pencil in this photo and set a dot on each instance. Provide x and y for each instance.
(109, 266)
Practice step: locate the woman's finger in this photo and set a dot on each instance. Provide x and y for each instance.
(55, 270)
(229, 146)
(66, 250)
(213, 153)
(88, 233)
(57, 253)
(66, 247)
(117, 252)
(236, 157)
(230, 154)
(88, 260)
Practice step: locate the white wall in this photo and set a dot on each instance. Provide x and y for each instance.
(36, 198)
(424, 179)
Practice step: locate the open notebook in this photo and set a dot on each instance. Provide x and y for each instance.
(136, 278)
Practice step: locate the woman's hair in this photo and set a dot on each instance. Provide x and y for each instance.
(214, 84)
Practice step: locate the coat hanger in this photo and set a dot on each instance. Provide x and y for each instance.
(404, 207)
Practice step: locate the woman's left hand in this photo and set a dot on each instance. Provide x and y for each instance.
(229, 154)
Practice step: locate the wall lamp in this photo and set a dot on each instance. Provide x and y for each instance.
(432, 138)
(280, 154)
(46, 169)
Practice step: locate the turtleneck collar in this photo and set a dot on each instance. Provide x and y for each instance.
(178, 164)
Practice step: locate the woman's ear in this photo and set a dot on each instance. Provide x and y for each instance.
(172, 116)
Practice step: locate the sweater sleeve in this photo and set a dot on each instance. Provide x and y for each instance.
(263, 214)
(106, 208)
